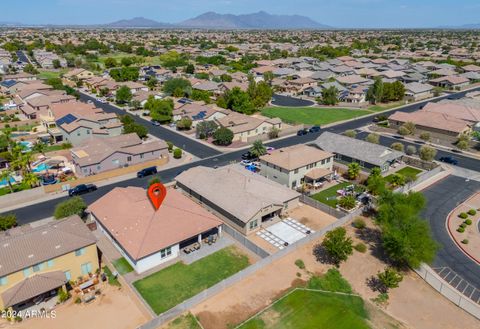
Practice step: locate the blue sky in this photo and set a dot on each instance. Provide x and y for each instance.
(338, 13)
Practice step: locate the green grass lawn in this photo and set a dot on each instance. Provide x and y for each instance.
(16, 188)
(45, 74)
(312, 115)
(186, 321)
(406, 172)
(311, 309)
(383, 107)
(327, 196)
(122, 266)
(111, 279)
(178, 282)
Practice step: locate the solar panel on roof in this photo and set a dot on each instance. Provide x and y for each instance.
(69, 118)
(9, 83)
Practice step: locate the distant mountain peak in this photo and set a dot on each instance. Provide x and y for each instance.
(259, 20)
(137, 22)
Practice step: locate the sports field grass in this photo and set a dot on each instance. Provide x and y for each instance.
(186, 321)
(178, 282)
(313, 115)
(304, 309)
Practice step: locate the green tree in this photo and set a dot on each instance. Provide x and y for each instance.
(353, 170)
(190, 69)
(201, 95)
(398, 147)
(338, 245)
(347, 202)
(161, 110)
(110, 62)
(373, 138)
(427, 153)
(126, 61)
(406, 238)
(7, 175)
(184, 123)
(330, 96)
(258, 149)
(390, 278)
(375, 92)
(205, 129)
(268, 77)
(136, 128)
(259, 93)
(223, 136)
(375, 182)
(56, 64)
(29, 68)
(7, 221)
(72, 206)
(397, 180)
(152, 83)
(239, 101)
(123, 95)
(172, 85)
(350, 133)
(30, 179)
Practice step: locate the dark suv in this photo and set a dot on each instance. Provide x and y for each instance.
(449, 160)
(82, 189)
(147, 172)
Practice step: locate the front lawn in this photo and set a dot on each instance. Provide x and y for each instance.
(329, 195)
(178, 282)
(122, 266)
(45, 74)
(312, 115)
(304, 309)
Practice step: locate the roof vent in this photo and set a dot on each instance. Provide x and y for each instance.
(5, 245)
(57, 246)
(30, 256)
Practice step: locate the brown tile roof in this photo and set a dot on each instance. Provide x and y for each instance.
(26, 246)
(129, 217)
(432, 120)
(296, 156)
(32, 287)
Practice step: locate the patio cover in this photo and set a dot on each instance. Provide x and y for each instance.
(318, 173)
(32, 287)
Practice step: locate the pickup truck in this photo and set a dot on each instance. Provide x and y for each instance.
(82, 189)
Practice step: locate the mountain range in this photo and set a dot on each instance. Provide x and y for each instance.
(212, 20)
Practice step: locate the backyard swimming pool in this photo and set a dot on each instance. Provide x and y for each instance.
(41, 167)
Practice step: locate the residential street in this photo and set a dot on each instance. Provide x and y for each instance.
(442, 198)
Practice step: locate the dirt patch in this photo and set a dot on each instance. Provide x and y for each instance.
(311, 217)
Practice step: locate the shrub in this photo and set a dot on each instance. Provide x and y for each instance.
(177, 153)
(411, 150)
(468, 222)
(73, 206)
(472, 212)
(78, 300)
(463, 225)
(360, 247)
(465, 241)
(463, 215)
(170, 146)
(403, 131)
(460, 230)
(359, 223)
(300, 264)
(63, 295)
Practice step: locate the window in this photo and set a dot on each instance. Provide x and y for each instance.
(3, 281)
(253, 224)
(166, 252)
(141, 156)
(68, 275)
(99, 167)
(26, 272)
(296, 171)
(80, 252)
(86, 268)
(78, 133)
(85, 170)
(129, 158)
(50, 263)
(36, 268)
(88, 132)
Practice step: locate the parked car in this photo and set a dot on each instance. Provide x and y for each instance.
(314, 129)
(147, 172)
(248, 156)
(270, 149)
(450, 160)
(302, 132)
(155, 123)
(245, 163)
(82, 189)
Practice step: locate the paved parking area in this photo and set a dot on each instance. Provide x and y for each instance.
(457, 282)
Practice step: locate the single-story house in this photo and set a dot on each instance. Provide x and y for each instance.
(245, 127)
(244, 200)
(292, 166)
(450, 82)
(416, 91)
(97, 154)
(367, 155)
(147, 237)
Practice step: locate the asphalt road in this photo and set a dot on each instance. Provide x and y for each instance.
(442, 198)
(209, 157)
(194, 147)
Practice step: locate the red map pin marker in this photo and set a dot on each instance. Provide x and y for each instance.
(157, 193)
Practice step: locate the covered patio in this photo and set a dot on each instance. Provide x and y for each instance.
(318, 176)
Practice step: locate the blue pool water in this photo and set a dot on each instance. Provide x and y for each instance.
(41, 167)
(3, 182)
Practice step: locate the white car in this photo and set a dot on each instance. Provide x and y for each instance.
(270, 149)
(245, 163)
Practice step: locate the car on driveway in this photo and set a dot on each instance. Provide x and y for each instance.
(82, 189)
(248, 156)
(450, 160)
(314, 129)
(245, 163)
(147, 172)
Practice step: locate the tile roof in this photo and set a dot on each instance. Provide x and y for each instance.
(129, 217)
(296, 156)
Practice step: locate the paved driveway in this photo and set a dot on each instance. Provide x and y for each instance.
(451, 263)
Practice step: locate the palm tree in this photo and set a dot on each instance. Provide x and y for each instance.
(31, 179)
(353, 170)
(258, 149)
(6, 175)
(40, 148)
